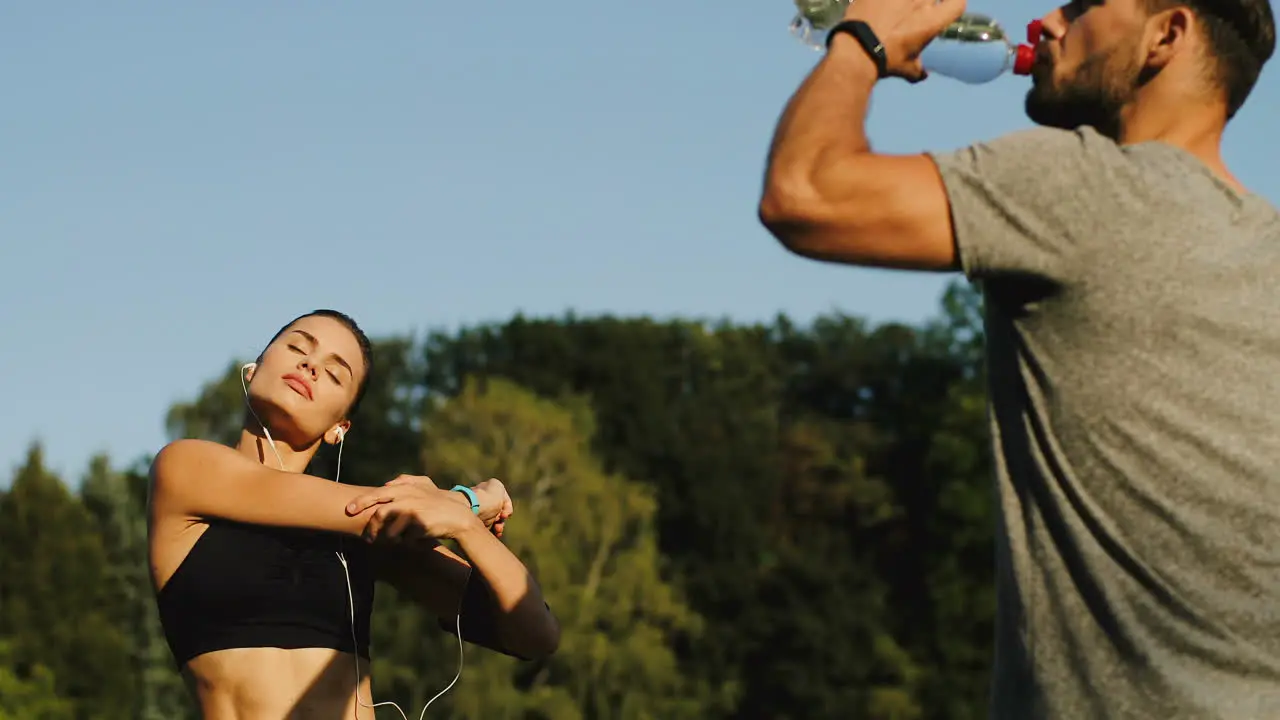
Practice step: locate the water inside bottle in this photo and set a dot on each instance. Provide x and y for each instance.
(974, 49)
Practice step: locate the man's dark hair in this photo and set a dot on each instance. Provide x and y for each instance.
(1241, 36)
(366, 348)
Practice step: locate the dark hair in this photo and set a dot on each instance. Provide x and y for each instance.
(1241, 36)
(366, 348)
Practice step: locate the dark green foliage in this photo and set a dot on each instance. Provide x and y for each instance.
(55, 604)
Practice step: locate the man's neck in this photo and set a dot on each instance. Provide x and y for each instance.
(1192, 126)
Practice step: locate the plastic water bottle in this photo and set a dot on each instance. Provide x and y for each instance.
(973, 49)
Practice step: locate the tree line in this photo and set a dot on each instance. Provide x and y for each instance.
(764, 521)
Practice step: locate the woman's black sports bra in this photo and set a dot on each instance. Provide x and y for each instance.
(245, 586)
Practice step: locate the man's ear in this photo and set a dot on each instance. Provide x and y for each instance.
(1168, 35)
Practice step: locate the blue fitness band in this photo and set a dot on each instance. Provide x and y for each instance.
(471, 495)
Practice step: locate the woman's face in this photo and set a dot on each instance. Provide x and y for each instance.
(306, 380)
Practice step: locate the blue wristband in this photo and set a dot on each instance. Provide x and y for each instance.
(471, 495)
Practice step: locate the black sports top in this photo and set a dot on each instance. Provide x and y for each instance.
(252, 586)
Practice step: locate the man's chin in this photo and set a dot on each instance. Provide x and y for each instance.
(1072, 113)
(1042, 110)
(1038, 113)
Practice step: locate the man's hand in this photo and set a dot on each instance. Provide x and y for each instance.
(412, 508)
(904, 27)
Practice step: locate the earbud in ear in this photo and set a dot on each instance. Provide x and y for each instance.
(247, 367)
(341, 432)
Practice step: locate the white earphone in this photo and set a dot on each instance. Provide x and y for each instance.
(351, 602)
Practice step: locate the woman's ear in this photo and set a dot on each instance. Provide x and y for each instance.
(338, 433)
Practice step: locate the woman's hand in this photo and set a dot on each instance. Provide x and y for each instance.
(412, 508)
(495, 504)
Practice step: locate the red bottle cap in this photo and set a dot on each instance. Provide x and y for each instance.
(1035, 29)
(1026, 57)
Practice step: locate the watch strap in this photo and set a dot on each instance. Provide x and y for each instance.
(867, 38)
(471, 496)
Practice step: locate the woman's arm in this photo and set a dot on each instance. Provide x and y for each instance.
(500, 603)
(509, 596)
(199, 479)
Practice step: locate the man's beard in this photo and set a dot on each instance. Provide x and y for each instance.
(1094, 95)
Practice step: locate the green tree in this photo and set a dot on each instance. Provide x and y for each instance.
(117, 501)
(589, 537)
(30, 698)
(55, 606)
(737, 429)
(827, 649)
(690, 410)
(919, 393)
(961, 528)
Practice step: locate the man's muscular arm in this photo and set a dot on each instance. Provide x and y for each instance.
(826, 195)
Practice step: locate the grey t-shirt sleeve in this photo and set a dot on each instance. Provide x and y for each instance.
(1024, 204)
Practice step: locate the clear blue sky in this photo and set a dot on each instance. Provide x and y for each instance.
(179, 179)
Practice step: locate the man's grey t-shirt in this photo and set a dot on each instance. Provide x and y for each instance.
(1133, 330)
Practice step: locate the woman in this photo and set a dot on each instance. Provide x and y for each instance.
(264, 575)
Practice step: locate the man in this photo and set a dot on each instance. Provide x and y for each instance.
(1133, 301)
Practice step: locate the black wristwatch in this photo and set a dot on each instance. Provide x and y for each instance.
(866, 38)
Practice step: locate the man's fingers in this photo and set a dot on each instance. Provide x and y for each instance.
(945, 12)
